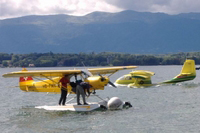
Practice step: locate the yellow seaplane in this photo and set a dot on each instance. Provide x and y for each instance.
(142, 78)
(48, 81)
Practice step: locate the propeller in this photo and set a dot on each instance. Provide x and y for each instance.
(109, 82)
(88, 73)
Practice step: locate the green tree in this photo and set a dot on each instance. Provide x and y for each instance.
(5, 63)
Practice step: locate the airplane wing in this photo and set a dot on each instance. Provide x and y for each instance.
(109, 70)
(60, 73)
(41, 73)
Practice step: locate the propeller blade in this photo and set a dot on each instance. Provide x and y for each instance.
(112, 84)
(102, 78)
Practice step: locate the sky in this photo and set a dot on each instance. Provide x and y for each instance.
(18, 8)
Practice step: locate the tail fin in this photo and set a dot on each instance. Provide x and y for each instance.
(188, 72)
(189, 67)
(24, 82)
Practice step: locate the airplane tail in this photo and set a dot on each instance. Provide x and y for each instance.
(188, 72)
(29, 85)
(24, 82)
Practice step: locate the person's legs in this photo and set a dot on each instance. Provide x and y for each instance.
(60, 100)
(78, 95)
(61, 97)
(64, 97)
(83, 95)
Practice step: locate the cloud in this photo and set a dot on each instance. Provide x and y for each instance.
(165, 6)
(16, 8)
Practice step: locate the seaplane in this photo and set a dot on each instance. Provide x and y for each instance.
(48, 81)
(142, 78)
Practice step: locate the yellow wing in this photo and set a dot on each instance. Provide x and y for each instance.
(109, 70)
(60, 73)
(41, 73)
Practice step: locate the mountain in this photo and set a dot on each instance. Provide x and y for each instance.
(127, 31)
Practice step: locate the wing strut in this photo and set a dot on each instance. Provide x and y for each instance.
(49, 78)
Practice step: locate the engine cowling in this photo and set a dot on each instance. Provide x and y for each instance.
(97, 82)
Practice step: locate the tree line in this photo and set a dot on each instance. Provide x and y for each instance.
(51, 59)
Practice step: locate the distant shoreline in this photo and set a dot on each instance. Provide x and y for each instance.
(51, 59)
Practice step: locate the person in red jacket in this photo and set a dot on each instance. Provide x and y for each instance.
(64, 82)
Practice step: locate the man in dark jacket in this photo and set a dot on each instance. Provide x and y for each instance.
(81, 90)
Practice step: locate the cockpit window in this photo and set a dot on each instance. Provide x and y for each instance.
(122, 78)
(128, 78)
(125, 78)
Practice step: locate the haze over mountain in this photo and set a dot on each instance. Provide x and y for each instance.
(127, 31)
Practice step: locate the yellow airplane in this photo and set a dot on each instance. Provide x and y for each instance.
(47, 81)
(52, 77)
(142, 78)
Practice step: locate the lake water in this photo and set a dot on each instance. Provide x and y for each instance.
(161, 109)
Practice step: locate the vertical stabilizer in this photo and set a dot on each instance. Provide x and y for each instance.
(189, 67)
(188, 72)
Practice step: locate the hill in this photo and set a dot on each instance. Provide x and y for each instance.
(127, 31)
